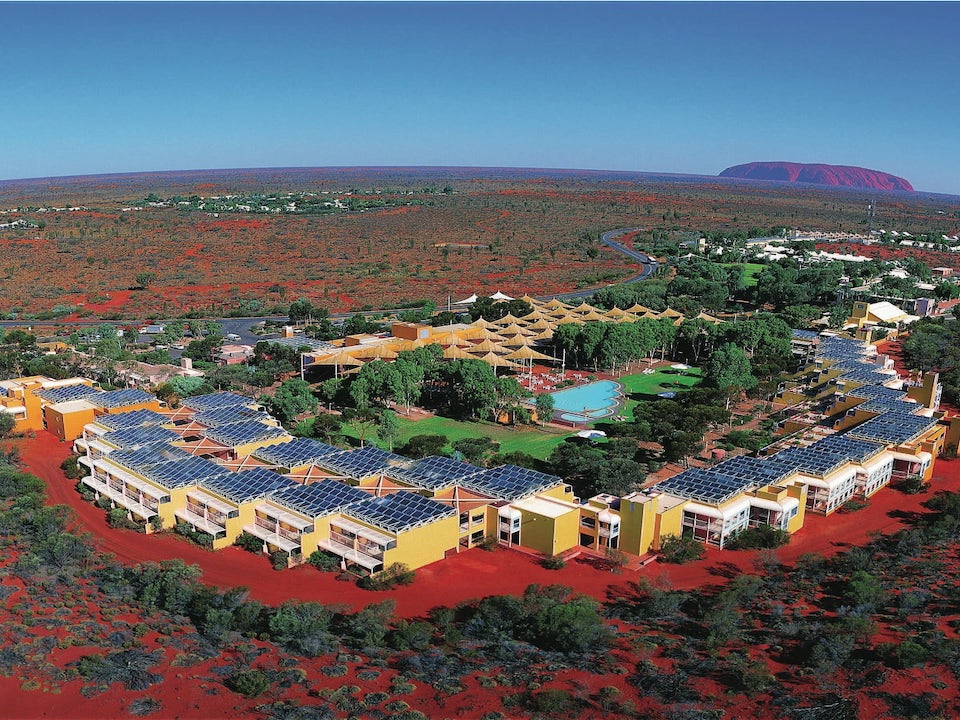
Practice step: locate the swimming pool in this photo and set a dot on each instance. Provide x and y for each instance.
(592, 401)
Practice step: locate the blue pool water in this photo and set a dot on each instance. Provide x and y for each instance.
(584, 403)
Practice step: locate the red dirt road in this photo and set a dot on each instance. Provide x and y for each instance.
(473, 573)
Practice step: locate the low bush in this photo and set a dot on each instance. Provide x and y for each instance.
(250, 543)
(328, 562)
(554, 562)
(249, 683)
(280, 559)
(195, 536)
(396, 574)
(762, 536)
(678, 550)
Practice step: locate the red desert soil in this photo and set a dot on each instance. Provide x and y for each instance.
(474, 573)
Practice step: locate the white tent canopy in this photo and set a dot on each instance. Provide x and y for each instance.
(469, 301)
(499, 296)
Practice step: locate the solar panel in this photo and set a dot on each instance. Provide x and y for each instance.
(67, 393)
(857, 450)
(146, 456)
(244, 432)
(183, 472)
(133, 418)
(229, 414)
(809, 460)
(246, 485)
(297, 452)
(804, 334)
(320, 498)
(121, 398)
(753, 469)
(707, 486)
(876, 391)
(137, 436)
(216, 400)
(400, 511)
(510, 482)
(359, 464)
(868, 376)
(892, 428)
(434, 472)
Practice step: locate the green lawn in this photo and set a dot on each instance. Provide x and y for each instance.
(657, 382)
(533, 441)
(750, 272)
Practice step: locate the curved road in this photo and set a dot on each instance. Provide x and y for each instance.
(241, 325)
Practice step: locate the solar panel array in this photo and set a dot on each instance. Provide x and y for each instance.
(246, 485)
(809, 461)
(707, 486)
(877, 391)
(319, 498)
(756, 470)
(300, 342)
(434, 472)
(400, 511)
(215, 400)
(297, 452)
(241, 433)
(139, 436)
(139, 458)
(183, 472)
(893, 428)
(804, 334)
(359, 464)
(510, 482)
(868, 375)
(857, 450)
(837, 347)
(229, 414)
(68, 393)
(133, 418)
(884, 405)
(121, 398)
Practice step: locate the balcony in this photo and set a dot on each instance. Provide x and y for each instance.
(200, 522)
(257, 530)
(119, 498)
(351, 555)
(277, 529)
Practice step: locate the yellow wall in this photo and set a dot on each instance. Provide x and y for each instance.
(549, 535)
(561, 491)
(425, 544)
(178, 501)
(800, 493)
(68, 426)
(671, 523)
(637, 520)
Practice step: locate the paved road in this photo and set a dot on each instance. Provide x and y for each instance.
(242, 326)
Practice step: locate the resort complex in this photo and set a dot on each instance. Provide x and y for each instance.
(220, 465)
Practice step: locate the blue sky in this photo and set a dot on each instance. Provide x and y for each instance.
(685, 87)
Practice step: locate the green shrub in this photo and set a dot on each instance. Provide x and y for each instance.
(143, 706)
(762, 536)
(196, 536)
(912, 485)
(71, 468)
(396, 574)
(250, 543)
(117, 518)
(678, 550)
(328, 562)
(280, 559)
(249, 683)
(554, 562)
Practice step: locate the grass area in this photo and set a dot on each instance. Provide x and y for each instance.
(750, 272)
(656, 382)
(533, 441)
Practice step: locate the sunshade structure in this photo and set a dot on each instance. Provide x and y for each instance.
(540, 325)
(671, 313)
(376, 352)
(615, 313)
(481, 334)
(594, 316)
(500, 296)
(543, 336)
(518, 341)
(514, 329)
(497, 361)
(528, 353)
(584, 308)
(406, 345)
(486, 346)
(448, 338)
(467, 301)
(453, 352)
(507, 319)
(484, 323)
(337, 361)
(638, 309)
(556, 303)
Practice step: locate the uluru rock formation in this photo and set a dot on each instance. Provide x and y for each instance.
(817, 174)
